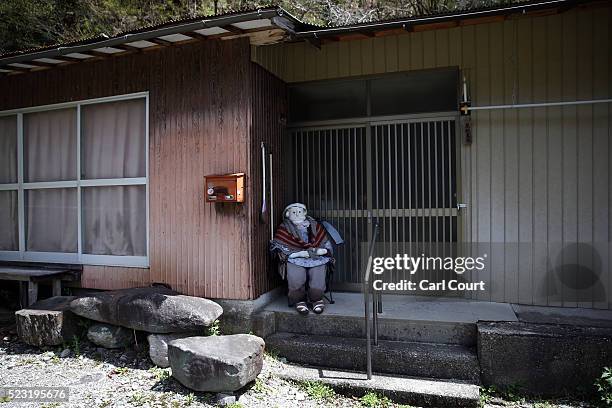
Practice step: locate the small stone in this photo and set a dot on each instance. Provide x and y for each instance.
(225, 399)
(158, 346)
(65, 353)
(109, 336)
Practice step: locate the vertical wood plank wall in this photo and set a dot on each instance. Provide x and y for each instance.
(537, 181)
(269, 117)
(200, 123)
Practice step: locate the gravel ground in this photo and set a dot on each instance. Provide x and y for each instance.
(126, 378)
(100, 378)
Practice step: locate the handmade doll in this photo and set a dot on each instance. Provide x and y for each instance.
(304, 250)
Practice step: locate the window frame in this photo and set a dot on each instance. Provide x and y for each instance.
(21, 187)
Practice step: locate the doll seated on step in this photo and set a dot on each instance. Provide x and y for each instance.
(304, 251)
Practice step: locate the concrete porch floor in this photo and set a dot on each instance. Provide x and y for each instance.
(413, 308)
(455, 310)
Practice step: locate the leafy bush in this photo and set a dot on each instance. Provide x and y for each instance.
(318, 391)
(373, 400)
(604, 387)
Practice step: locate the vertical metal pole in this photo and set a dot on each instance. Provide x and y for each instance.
(308, 142)
(337, 198)
(444, 181)
(410, 127)
(271, 200)
(320, 175)
(325, 207)
(422, 165)
(369, 180)
(355, 219)
(437, 204)
(450, 184)
(366, 298)
(429, 210)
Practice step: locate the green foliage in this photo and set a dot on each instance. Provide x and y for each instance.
(138, 399)
(485, 396)
(160, 374)
(214, 329)
(34, 23)
(373, 400)
(317, 390)
(121, 370)
(604, 387)
(260, 386)
(190, 399)
(75, 346)
(543, 404)
(509, 393)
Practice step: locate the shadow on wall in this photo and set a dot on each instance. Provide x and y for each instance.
(576, 274)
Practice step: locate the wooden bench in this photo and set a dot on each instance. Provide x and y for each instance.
(30, 277)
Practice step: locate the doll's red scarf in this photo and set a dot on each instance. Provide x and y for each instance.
(288, 235)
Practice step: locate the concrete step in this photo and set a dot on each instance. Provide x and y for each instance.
(428, 360)
(461, 333)
(405, 390)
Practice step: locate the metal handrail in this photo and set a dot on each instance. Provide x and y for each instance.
(366, 298)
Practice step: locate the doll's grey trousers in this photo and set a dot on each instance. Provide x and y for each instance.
(305, 281)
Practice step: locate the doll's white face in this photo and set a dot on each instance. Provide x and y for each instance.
(297, 215)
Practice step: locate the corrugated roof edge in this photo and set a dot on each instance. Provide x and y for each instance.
(289, 24)
(501, 9)
(284, 20)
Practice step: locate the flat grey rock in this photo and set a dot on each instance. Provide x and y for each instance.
(154, 309)
(110, 336)
(48, 322)
(216, 363)
(158, 346)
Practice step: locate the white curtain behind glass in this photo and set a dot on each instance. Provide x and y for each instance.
(51, 220)
(114, 220)
(8, 149)
(113, 140)
(49, 139)
(113, 146)
(8, 174)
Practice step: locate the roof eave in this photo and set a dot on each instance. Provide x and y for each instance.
(412, 21)
(277, 15)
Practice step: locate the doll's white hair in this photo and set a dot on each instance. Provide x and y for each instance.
(290, 206)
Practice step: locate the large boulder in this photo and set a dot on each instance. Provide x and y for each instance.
(158, 346)
(109, 336)
(155, 309)
(48, 322)
(216, 363)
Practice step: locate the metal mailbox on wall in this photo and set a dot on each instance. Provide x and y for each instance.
(225, 188)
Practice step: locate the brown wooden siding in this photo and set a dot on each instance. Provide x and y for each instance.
(269, 116)
(536, 179)
(200, 119)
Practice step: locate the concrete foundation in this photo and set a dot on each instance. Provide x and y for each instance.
(239, 315)
(543, 359)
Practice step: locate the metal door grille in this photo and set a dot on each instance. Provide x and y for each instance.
(402, 172)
